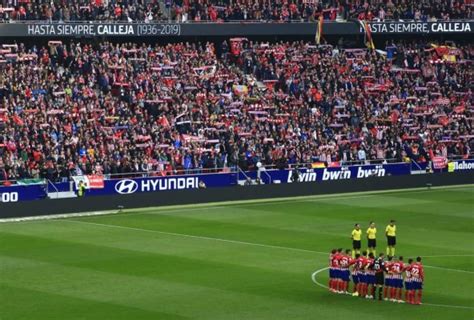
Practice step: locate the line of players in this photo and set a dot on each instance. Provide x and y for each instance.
(371, 276)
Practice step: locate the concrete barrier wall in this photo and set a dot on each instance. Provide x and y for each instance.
(142, 200)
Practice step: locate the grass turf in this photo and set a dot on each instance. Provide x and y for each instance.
(233, 261)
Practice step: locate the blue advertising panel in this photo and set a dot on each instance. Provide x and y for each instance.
(337, 173)
(22, 193)
(460, 165)
(126, 186)
(155, 184)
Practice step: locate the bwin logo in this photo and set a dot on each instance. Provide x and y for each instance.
(126, 186)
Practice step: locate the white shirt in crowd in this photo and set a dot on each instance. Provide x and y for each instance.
(361, 155)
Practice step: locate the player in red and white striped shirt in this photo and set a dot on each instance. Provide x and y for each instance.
(397, 269)
(418, 276)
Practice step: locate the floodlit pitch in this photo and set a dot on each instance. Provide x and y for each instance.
(254, 260)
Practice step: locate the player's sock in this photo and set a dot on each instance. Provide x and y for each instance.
(418, 297)
(380, 293)
(393, 252)
(374, 289)
(385, 292)
(412, 296)
(388, 251)
(407, 296)
(399, 294)
(330, 284)
(392, 293)
(353, 254)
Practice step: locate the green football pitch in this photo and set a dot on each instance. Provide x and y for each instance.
(242, 260)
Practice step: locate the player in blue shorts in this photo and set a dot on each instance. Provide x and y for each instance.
(355, 273)
(408, 282)
(360, 265)
(370, 277)
(397, 269)
(388, 279)
(418, 276)
(333, 263)
(345, 274)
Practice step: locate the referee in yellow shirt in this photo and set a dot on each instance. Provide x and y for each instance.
(355, 236)
(391, 233)
(372, 238)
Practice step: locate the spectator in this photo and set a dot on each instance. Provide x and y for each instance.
(81, 189)
(295, 175)
(248, 182)
(121, 109)
(224, 10)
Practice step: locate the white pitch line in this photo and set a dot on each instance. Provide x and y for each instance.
(267, 201)
(314, 274)
(225, 204)
(449, 269)
(449, 255)
(313, 277)
(447, 306)
(231, 241)
(59, 216)
(196, 237)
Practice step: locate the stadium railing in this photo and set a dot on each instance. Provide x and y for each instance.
(415, 166)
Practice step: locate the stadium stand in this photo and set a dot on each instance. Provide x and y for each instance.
(226, 10)
(307, 10)
(81, 10)
(72, 108)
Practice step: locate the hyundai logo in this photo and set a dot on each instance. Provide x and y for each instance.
(126, 186)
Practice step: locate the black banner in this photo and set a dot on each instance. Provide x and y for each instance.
(421, 27)
(104, 30)
(93, 29)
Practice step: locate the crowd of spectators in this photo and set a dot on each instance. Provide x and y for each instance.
(311, 10)
(228, 10)
(72, 108)
(80, 10)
